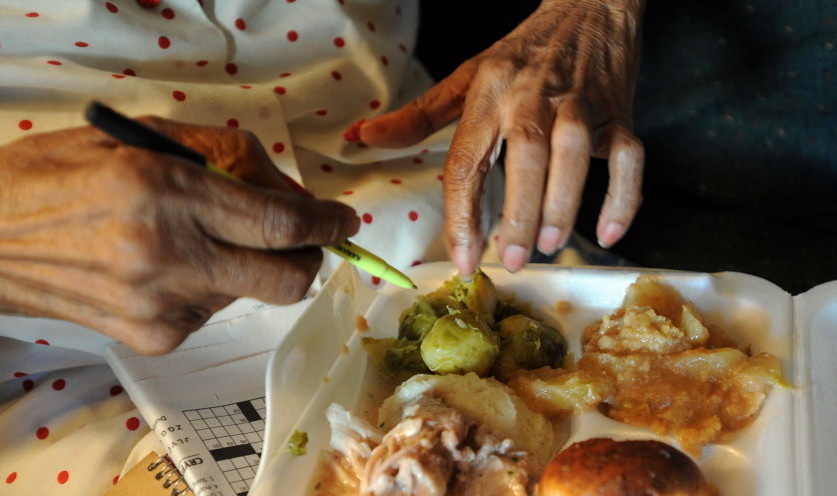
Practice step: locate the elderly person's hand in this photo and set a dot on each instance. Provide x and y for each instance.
(145, 247)
(558, 89)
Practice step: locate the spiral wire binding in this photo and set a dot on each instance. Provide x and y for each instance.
(170, 477)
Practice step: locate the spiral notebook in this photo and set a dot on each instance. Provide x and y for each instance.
(154, 475)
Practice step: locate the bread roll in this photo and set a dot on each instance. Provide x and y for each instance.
(604, 467)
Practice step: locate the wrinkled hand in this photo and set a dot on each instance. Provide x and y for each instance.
(145, 247)
(558, 89)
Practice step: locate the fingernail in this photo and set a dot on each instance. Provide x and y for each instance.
(550, 239)
(461, 258)
(611, 234)
(514, 257)
(352, 133)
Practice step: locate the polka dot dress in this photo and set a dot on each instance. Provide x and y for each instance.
(294, 73)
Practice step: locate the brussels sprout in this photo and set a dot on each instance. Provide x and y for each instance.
(477, 295)
(507, 309)
(460, 342)
(417, 320)
(527, 344)
(399, 358)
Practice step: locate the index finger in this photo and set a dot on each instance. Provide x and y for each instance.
(466, 167)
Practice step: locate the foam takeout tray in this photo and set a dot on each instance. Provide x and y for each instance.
(787, 450)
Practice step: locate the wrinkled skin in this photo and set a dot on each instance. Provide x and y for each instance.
(145, 247)
(558, 89)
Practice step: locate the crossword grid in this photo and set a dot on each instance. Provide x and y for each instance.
(234, 435)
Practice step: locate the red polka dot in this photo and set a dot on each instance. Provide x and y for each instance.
(240, 24)
(336, 75)
(53, 62)
(244, 86)
(232, 123)
(278, 147)
(341, 2)
(440, 177)
(291, 1)
(178, 95)
(25, 125)
(376, 280)
(326, 168)
(201, 63)
(11, 477)
(367, 218)
(417, 160)
(59, 384)
(148, 3)
(280, 90)
(129, 72)
(115, 390)
(82, 44)
(339, 42)
(118, 76)
(395, 181)
(164, 42)
(285, 74)
(27, 385)
(231, 68)
(384, 60)
(42, 433)
(32, 14)
(38, 341)
(321, 112)
(292, 35)
(402, 47)
(20, 374)
(415, 262)
(132, 423)
(413, 215)
(115, 480)
(167, 13)
(371, 26)
(374, 104)
(63, 477)
(113, 9)
(348, 192)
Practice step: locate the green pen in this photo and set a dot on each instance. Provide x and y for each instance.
(135, 133)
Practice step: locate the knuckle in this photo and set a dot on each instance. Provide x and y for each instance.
(284, 226)
(571, 134)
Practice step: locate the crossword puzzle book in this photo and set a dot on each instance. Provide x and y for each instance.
(206, 400)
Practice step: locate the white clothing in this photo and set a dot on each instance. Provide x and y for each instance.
(295, 73)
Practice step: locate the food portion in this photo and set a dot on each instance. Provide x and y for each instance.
(604, 467)
(655, 363)
(482, 385)
(439, 435)
(465, 327)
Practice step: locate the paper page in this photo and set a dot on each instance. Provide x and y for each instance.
(205, 400)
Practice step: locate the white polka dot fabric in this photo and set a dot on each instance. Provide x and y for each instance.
(295, 73)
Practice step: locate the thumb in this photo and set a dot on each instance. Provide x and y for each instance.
(435, 109)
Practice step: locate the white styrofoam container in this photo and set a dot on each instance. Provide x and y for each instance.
(786, 451)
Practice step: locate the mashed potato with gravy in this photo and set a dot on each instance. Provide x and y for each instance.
(654, 363)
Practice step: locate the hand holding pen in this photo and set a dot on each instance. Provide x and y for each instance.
(145, 246)
(136, 134)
